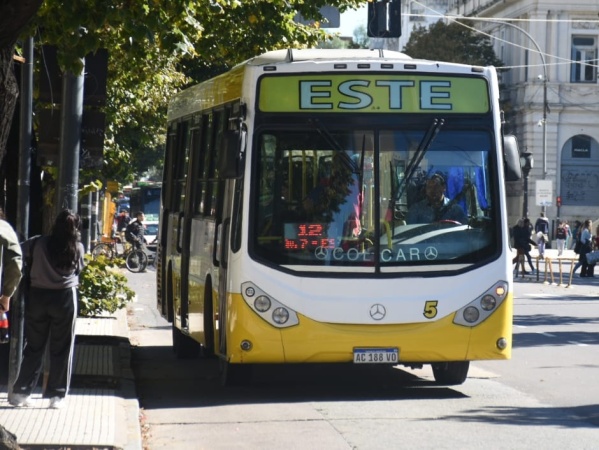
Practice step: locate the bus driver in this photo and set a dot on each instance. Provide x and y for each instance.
(436, 206)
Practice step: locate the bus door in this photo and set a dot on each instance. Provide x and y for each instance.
(185, 225)
(174, 212)
(227, 220)
(222, 250)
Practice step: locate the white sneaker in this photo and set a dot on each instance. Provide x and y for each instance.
(57, 402)
(20, 400)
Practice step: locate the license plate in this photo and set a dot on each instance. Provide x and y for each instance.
(376, 355)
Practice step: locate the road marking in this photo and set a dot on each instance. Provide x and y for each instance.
(546, 334)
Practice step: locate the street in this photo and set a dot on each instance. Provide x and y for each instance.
(545, 397)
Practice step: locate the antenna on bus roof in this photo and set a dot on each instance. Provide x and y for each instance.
(290, 54)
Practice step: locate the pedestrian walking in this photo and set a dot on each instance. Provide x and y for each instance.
(522, 244)
(586, 246)
(560, 238)
(575, 233)
(568, 234)
(51, 310)
(542, 233)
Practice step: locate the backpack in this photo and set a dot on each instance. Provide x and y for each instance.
(131, 232)
(560, 233)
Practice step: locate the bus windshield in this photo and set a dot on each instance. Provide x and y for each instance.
(381, 199)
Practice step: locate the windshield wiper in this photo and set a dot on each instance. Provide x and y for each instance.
(423, 147)
(326, 134)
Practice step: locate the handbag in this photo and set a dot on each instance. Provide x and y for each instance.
(592, 257)
(577, 246)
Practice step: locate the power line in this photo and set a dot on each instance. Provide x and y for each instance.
(440, 15)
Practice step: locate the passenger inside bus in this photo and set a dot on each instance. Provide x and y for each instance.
(337, 200)
(435, 206)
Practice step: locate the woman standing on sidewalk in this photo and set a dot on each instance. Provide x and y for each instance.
(51, 310)
(586, 240)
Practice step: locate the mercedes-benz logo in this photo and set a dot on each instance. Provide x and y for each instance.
(430, 253)
(377, 311)
(320, 252)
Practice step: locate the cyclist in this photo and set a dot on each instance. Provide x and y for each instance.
(134, 233)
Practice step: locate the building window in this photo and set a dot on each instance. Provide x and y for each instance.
(584, 59)
(579, 178)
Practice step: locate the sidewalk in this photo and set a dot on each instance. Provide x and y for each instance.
(101, 412)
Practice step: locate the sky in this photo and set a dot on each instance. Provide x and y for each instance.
(351, 20)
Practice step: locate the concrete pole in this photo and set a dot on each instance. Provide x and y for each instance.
(70, 141)
(17, 310)
(93, 225)
(86, 225)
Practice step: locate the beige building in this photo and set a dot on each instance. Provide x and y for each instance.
(550, 47)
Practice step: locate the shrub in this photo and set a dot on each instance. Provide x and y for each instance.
(102, 287)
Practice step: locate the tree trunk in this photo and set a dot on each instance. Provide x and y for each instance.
(14, 16)
(8, 95)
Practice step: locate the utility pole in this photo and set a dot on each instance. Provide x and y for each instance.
(17, 310)
(70, 140)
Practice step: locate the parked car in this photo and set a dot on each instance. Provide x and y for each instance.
(150, 232)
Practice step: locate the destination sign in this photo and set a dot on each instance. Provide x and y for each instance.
(306, 236)
(376, 93)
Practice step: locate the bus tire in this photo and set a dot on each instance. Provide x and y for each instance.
(234, 374)
(451, 373)
(102, 249)
(183, 345)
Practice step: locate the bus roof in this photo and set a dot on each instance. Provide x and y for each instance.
(315, 54)
(228, 86)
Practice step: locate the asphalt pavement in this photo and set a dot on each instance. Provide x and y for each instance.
(102, 410)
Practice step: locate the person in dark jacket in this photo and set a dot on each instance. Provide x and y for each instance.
(51, 310)
(134, 233)
(523, 242)
(586, 240)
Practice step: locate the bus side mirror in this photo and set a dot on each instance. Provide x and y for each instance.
(230, 157)
(511, 159)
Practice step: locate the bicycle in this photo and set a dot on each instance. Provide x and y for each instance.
(136, 260)
(115, 248)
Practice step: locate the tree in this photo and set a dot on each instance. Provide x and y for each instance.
(146, 40)
(452, 43)
(361, 39)
(14, 17)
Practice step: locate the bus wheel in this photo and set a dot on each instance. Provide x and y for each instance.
(234, 374)
(184, 346)
(451, 373)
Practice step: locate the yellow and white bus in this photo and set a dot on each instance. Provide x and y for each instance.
(297, 224)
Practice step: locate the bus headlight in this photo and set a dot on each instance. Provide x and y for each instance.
(280, 315)
(267, 307)
(471, 314)
(482, 306)
(262, 303)
(488, 302)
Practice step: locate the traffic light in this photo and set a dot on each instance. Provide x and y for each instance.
(384, 19)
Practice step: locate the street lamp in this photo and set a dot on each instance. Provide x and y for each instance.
(526, 162)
